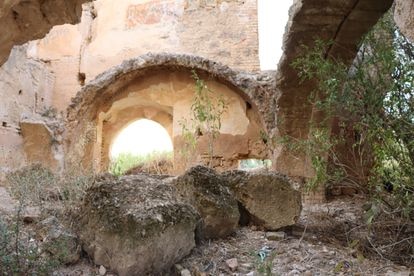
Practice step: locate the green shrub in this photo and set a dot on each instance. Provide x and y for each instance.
(374, 101)
(31, 185)
(372, 106)
(20, 252)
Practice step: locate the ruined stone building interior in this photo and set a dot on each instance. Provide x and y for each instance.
(75, 74)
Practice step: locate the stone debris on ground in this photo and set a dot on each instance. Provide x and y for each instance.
(232, 264)
(307, 248)
(59, 241)
(275, 236)
(102, 270)
(291, 256)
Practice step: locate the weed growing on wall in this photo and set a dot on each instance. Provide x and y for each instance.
(365, 135)
(205, 118)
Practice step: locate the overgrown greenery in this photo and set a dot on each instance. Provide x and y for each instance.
(21, 250)
(205, 118)
(20, 253)
(365, 135)
(126, 161)
(31, 185)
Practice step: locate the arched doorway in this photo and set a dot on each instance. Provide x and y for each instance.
(164, 94)
(140, 143)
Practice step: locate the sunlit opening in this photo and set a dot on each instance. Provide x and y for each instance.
(254, 164)
(273, 17)
(142, 137)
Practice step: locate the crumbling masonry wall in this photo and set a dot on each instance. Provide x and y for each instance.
(39, 78)
(160, 87)
(45, 74)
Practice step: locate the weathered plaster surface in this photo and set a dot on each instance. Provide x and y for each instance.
(202, 34)
(25, 90)
(162, 84)
(50, 71)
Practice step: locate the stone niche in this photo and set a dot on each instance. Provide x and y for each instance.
(165, 97)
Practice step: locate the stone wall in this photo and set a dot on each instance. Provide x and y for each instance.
(25, 89)
(103, 39)
(41, 77)
(160, 88)
(45, 74)
(166, 97)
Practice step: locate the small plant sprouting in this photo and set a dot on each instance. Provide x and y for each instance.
(205, 119)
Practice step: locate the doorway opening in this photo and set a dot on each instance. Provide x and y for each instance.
(142, 146)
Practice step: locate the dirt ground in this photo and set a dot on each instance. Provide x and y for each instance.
(312, 247)
(308, 248)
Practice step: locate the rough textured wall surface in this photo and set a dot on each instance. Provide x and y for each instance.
(224, 31)
(154, 85)
(25, 90)
(24, 20)
(41, 77)
(73, 55)
(404, 16)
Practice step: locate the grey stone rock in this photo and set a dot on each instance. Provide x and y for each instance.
(185, 272)
(135, 225)
(275, 236)
(270, 198)
(59, 241)
(208, 192)
(102, 270)
(232, 264)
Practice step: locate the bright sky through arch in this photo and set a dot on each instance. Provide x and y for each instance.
(140, 138)
(273, 17)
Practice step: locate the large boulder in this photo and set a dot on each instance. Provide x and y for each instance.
(270, 199)
(208, 192)
(135, 225)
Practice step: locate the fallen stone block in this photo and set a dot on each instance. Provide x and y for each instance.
(135, 225)
(269, 198)
(208, 192)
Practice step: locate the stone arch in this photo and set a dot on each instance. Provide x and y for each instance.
(342, 22)
(128, 86)
(127, 116)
